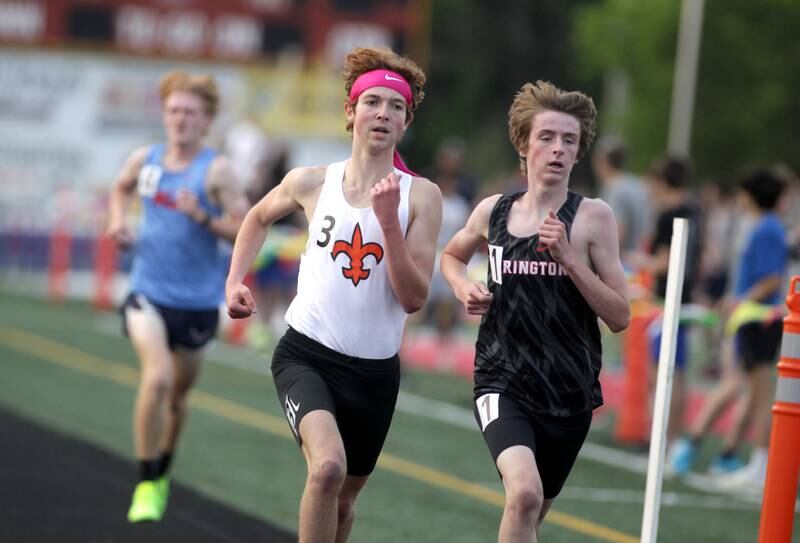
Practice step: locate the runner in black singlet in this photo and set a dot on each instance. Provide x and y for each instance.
(552, 363)
(554, 268)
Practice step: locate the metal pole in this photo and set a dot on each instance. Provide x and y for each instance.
(685, 78)
(666, 365)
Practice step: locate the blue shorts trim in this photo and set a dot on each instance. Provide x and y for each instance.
(681, 351)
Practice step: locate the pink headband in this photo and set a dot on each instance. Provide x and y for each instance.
(381, 78)
(390, 80)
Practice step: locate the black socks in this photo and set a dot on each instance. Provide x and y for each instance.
(164, 462)
(150, 470)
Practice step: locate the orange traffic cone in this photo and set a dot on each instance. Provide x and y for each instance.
(783, 466)
(633, 417)
(105, 268)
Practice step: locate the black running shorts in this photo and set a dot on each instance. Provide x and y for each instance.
(555, 441)
(189, 329)
(758, 344)
(361, 394)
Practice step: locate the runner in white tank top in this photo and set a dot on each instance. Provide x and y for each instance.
(344, 296)
(368, 263)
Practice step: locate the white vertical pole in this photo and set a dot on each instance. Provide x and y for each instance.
(684, 79)
(666, 365)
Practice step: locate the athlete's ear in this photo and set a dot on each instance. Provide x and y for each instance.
(409, 118)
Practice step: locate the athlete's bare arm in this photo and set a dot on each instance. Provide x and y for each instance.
(409, 260)
(458, 252)
(121, 195)
(594, 233)
(223, 189)
(298, 190)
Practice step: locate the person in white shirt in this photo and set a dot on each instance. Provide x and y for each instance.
(368, 263)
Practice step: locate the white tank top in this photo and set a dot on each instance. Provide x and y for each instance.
(344, 298)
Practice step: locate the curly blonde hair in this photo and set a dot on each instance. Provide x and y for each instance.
(365, 59)
(544, 96)
(204, 86)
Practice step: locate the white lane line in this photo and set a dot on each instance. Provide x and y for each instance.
(669, 499)
(436, 410)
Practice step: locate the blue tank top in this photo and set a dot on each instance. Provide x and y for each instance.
(178, 263)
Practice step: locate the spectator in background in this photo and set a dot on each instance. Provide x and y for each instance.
(191, 200)
(725, 245)
(247, 147)
(272, 166)
(624, 192)
(450, 165)
(718, 203)
(442, 308)
(719, 209)
(276, 266)
(755, 321)
(668, 180)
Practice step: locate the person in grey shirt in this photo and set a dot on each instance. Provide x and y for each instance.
(624, 192)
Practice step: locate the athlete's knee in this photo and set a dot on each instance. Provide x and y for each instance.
(327, 475)
(158, 383)
(525, 500)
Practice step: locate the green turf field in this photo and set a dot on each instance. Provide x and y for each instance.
(68, 368)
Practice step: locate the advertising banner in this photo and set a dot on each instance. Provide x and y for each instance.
(69, 120)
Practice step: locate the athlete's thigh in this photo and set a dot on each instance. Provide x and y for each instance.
(504, 424)
(299, 384)
(560, 440)
(365, 418)
(554, 441)
(146, 328)
(511, 441)
(518, 469)
(320, 438)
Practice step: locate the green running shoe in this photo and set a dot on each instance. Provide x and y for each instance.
(146, 503)
(163, 492)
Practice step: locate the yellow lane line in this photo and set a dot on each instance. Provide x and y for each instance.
(123, 374)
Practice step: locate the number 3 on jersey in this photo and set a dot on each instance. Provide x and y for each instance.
(488, 408)
(326, 231)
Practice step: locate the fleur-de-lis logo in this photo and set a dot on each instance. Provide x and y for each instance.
(357, 252)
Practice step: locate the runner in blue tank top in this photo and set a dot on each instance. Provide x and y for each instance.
(554, 268)
(190, 200)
